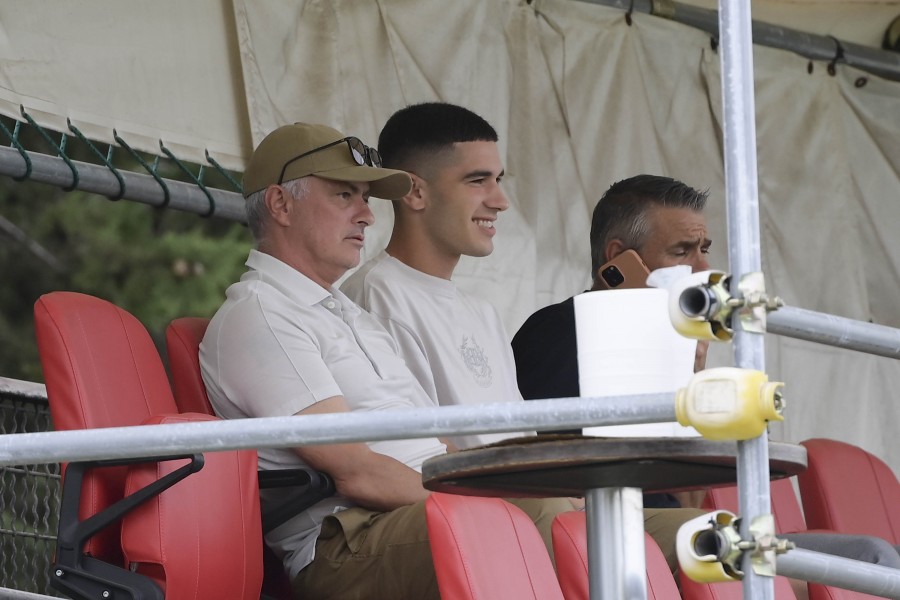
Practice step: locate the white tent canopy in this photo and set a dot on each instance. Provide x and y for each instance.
(580, 99)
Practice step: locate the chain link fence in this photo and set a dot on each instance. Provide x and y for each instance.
(29, 495)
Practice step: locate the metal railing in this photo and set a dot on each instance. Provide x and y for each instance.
(29, 496)
(35, 447)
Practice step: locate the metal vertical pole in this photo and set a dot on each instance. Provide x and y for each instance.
(615, 533)
(736, 45)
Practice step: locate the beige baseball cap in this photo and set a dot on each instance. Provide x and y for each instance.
(295, 151)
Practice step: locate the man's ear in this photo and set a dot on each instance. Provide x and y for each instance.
(415, 198)
(613, 248)
(279, 205)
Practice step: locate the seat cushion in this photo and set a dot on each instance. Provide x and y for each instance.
(200, 538)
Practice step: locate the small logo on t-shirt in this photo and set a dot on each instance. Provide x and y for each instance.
(476, 361)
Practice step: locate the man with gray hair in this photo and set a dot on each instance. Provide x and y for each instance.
(658, 217)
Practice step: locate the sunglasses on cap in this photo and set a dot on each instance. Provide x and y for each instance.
(362, 154)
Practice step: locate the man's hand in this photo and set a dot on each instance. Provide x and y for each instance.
(700, 355)
(692, 499)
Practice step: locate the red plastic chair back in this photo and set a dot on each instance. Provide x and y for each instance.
(849, 490)
(183, 337)
(101, 370)
(487, 548)
(570, 547)
(197, 539)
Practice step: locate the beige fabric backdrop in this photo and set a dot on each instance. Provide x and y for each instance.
(580, 100)
(164, 70)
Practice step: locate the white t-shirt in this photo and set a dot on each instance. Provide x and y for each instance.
(454, 343)
(279, 344)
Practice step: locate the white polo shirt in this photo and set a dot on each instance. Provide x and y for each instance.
(279, 344)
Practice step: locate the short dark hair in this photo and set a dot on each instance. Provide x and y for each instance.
(622, 211)
(428, 128)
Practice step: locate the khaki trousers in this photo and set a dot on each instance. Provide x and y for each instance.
(362, 554)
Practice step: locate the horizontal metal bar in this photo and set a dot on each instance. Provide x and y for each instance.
(27, 534)
(284, 432)
(23, 389)
(138, 187)
(840, 572)
(30, 472)
(834, 331)
(816, 47)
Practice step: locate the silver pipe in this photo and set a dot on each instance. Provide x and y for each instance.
(615, 531)
(834, 331)
(742, 201)
(285, 432)
(840, 572)
(815, 47)
(23, 389)
(138, 187)
(754, 500)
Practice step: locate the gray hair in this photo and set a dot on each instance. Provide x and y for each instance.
(622, 211)
(255, 205)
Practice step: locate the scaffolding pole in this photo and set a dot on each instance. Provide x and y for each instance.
(334, 428)
(742, 203)
(840, 572)
(836, 331)
(824, 48)
(137, 186)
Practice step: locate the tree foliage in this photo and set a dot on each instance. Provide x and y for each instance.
(157, 264)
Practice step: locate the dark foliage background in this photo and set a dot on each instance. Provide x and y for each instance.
(158, 264)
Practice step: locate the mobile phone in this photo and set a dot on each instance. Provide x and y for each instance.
(626, 271)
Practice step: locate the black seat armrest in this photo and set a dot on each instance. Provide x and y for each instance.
(312, 486)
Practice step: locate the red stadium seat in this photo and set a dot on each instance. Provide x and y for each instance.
(183, 337)
(849, 490)
(788, 519)
(570, 547)
(487, 548)
(102, 370)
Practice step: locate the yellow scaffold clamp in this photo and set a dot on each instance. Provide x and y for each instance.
(728, 403)
(710, 547)
(702, 307)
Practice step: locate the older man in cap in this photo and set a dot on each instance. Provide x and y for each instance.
(287, 342)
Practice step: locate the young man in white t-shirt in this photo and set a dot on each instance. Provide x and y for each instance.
(454, 343)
